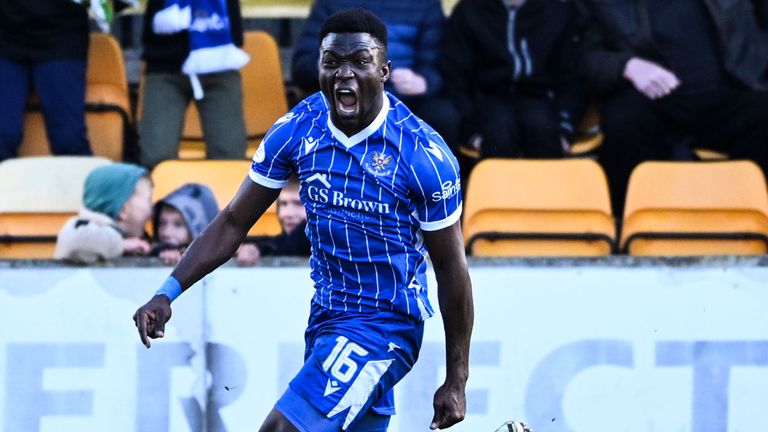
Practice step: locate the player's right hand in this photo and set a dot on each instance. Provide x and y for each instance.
(150, 319)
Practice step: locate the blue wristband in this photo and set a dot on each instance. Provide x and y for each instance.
(171, 288)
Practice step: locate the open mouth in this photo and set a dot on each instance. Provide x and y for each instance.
(346, 101)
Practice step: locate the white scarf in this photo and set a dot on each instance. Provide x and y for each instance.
(210, 41)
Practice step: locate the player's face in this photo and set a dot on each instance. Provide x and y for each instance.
(290, 210)
(171, 227)
(137, 210)
(352, 76)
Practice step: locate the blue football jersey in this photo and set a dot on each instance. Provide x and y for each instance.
(368, 197)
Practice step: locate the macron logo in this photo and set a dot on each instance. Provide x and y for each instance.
(309, 144)
(435, 151)
(322, 178)
(331, 387)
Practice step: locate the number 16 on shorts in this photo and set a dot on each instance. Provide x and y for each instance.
(339, 364)
(342, 367)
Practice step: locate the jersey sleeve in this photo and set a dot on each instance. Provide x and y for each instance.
(435, 184)
(272, 165)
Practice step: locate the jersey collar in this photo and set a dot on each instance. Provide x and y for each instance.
(363, 134)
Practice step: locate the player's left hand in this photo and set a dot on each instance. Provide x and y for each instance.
(150, 319)
(450, 405)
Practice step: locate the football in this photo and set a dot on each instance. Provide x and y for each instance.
(513, 426)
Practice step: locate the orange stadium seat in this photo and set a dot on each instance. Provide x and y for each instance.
(107, 110)
(38, 195)
(588, 136)
(222, 176)
(696, 208)
(295, 8)
(709, 154)
(264, 99)
(519, 207)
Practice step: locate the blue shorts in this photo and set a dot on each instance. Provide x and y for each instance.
(351, 363)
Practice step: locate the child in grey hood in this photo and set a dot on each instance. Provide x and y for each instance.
(181, 216)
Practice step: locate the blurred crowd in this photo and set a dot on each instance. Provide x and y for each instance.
(496, 78)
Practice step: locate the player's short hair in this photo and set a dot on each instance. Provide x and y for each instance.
(355, 20)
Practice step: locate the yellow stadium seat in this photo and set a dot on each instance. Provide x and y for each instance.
(586, 140)
(264, 99)
(588, 136)
(38, 195)
(278, 8)
(222, 176)
(107, 109)
(709, 154)
(696, 208)
(519, 207)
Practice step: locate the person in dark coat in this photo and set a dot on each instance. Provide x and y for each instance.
(666, 88)
(44, 48)
(511, 65)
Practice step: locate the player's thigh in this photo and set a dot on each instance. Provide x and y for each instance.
(304, 417)
(345, 375)
(276, 422)
(353, 362)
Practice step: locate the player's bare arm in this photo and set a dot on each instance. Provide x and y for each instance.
(446, 250)
(215, 245)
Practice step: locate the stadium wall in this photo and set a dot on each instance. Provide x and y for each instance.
(608, 345)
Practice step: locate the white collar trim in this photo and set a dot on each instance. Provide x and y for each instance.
(363, 134)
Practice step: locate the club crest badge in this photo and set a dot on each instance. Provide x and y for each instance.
(378, 164)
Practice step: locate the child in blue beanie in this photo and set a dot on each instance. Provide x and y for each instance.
(181, 216)
(117, 200)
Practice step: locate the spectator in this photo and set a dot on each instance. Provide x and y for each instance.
(667, 88)
(511, 68)
(415, 29)
(117, 200)
(292, 241)
(43, 45)
(172, 74)
(181, 216)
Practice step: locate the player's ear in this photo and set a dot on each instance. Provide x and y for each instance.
(386, 68)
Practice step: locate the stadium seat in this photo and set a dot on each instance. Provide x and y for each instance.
(519, 207)
(588, 136)
(38, 195)
(264, 99)
(696, 208)
(586, 139)
(222, 176)
(295, 8)
(709, 154)
(107, 109)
